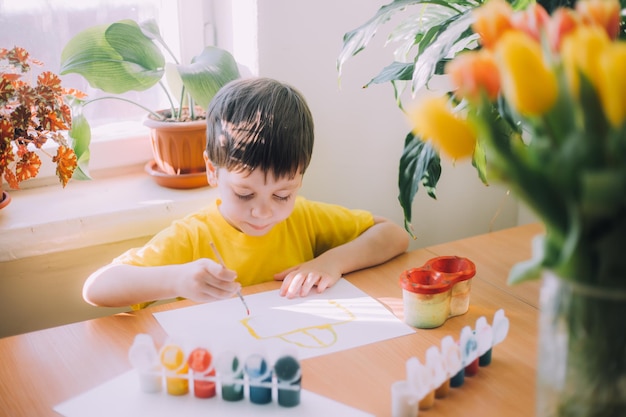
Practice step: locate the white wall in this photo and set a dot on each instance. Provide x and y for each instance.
(359, 132)
(359, 139)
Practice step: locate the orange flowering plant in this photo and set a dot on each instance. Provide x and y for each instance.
(540, 106)
(31, 113)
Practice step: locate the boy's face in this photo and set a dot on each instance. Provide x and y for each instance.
(254, 203)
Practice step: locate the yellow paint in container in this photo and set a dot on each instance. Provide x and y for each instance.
(173, 360)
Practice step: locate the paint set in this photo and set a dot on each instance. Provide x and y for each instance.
(226, 375)
(447, 366)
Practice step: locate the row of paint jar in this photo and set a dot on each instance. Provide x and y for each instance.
(447, 366)
(200, 372)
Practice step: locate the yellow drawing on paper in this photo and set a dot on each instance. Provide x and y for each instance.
(308, 325)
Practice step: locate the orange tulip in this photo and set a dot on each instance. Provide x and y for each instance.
(474, 73)
(533, 21)
(580, 52)
(492, 19)
(528, 84)
(604, 13)
(432, 119)
(563, 21)
(612, 82)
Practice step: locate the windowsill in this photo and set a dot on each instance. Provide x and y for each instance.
(51, 219)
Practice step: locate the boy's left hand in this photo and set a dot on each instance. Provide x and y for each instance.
(299, 280)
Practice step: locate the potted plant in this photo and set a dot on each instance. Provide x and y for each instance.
(427, 35)
(33, 111)
(128, 56)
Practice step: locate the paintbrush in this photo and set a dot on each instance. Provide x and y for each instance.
(221, 261)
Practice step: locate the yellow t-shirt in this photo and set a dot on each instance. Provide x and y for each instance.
(311, 229)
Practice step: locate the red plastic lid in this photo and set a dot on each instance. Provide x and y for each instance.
(200, 360)
(423, 281)
(437, 275)
(462, 268)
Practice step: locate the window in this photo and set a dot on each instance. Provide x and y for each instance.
(44, 26)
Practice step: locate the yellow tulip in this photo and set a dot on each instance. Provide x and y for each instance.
(528, 83)
(432, 119)
(612, 67)
(580, 52)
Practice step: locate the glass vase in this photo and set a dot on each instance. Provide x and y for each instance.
(582, 350)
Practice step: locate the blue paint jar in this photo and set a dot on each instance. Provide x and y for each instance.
(485, 358)
(458, 379)
(260, 379)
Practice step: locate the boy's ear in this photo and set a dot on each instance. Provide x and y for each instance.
(211, 170)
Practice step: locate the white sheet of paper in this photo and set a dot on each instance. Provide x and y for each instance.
(122, 397)
(342, 317)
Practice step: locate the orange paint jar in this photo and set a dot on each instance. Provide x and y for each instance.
(443, 390)
(428, 401)
(200, 361)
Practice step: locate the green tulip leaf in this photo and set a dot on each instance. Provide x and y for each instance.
(531, 268)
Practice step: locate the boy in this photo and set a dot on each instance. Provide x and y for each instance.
(259, 144)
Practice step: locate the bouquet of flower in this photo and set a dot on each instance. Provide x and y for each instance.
(541, 107)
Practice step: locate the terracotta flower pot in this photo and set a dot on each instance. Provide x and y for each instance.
(177, 148)
(5, 198)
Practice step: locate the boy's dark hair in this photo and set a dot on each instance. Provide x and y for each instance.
(260, 123)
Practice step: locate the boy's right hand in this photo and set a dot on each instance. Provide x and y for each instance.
(206, 280)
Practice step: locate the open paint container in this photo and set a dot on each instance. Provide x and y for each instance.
(436, 291)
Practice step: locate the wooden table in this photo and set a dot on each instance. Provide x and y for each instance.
(43, 368)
